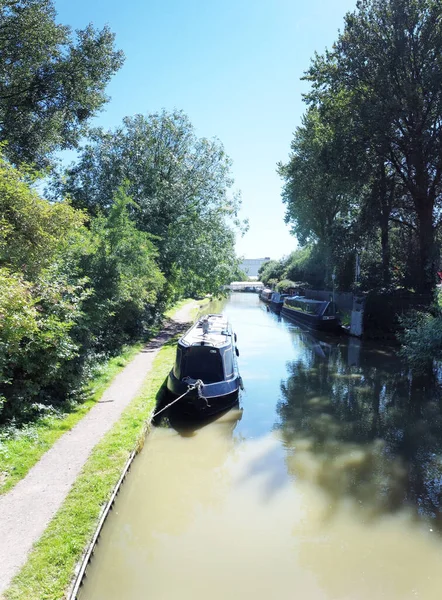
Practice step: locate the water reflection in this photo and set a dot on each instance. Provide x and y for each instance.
(188, 426)
(326, 487)
(174, 478)
(362, 429)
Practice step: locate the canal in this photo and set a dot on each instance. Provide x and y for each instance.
(325, 483)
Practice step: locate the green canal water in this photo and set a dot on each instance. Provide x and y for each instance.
(324, 484)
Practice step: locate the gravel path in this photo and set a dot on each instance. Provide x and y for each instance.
(27, 509)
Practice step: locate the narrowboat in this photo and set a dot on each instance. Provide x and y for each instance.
(206, 368)
(277, 301)
(266, 295)
(322, 315)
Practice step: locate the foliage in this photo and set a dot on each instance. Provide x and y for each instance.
(304, 265)
(32, 231)
(68, 293)
(386, 67)
(181, 185)
(39, 303)
(124, 280)
(272, 269)
(285, 284)
(297, 263)
(152, 217)
(314, 196)
(239, 275)
(421, 339)
(50, 83)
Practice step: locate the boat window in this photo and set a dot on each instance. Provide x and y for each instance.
(312, 307)
(228, 362)
(202, 362)
(176, 367)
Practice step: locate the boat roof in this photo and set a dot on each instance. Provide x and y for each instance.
(309, 300)
(211, 330)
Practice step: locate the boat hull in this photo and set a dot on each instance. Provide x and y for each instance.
(212, 399)
(311, 321)
(276, 306)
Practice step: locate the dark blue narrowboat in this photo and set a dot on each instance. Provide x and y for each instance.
(315, 314)
(206, 367)
(277, 301)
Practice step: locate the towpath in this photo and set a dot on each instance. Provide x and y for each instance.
(27, 509)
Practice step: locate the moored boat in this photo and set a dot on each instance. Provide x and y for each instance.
(277, 301)
(206, 367)
(322, 315)
(266, 295)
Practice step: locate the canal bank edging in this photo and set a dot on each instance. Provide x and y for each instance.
(78, 581)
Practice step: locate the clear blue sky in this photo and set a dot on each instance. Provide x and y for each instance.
(234, 67)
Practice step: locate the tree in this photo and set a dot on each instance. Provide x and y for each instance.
(40, 299)
(271, 270)
(320, 204)
(298, 264)
(181, 185)
(50, 84)
(388, 60)
(123, 279)
(69, 293)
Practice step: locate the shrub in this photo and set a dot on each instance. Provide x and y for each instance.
(421, 339)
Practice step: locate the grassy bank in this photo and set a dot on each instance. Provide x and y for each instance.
(21, 447)
(50, 567)
(199, 305)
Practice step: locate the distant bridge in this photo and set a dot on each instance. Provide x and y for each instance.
(245, 286)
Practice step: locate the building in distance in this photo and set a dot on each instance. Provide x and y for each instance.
(252, 265)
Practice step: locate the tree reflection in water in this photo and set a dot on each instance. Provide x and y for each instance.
(357, 424)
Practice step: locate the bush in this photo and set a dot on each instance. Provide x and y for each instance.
(421, 339)
(384, 311)
(68, 294)
(285, 284)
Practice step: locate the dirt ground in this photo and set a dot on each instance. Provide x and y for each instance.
(27, 509)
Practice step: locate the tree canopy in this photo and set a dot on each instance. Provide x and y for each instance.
(51, 81)
(182, 188)
(376, 100)
(68, 292)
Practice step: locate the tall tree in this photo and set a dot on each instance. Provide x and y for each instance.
(389, 60)
(50, 83)
(181, 184)
(319, 200)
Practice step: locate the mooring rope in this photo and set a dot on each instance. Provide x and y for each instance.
(197, 385)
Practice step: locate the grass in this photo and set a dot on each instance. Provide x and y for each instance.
(346, 318)
(51, 565)
(193, 313)
(21, 448)
(173, 309)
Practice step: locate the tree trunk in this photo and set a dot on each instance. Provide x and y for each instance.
(427, 271)
(383, 222)
(386, 275)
